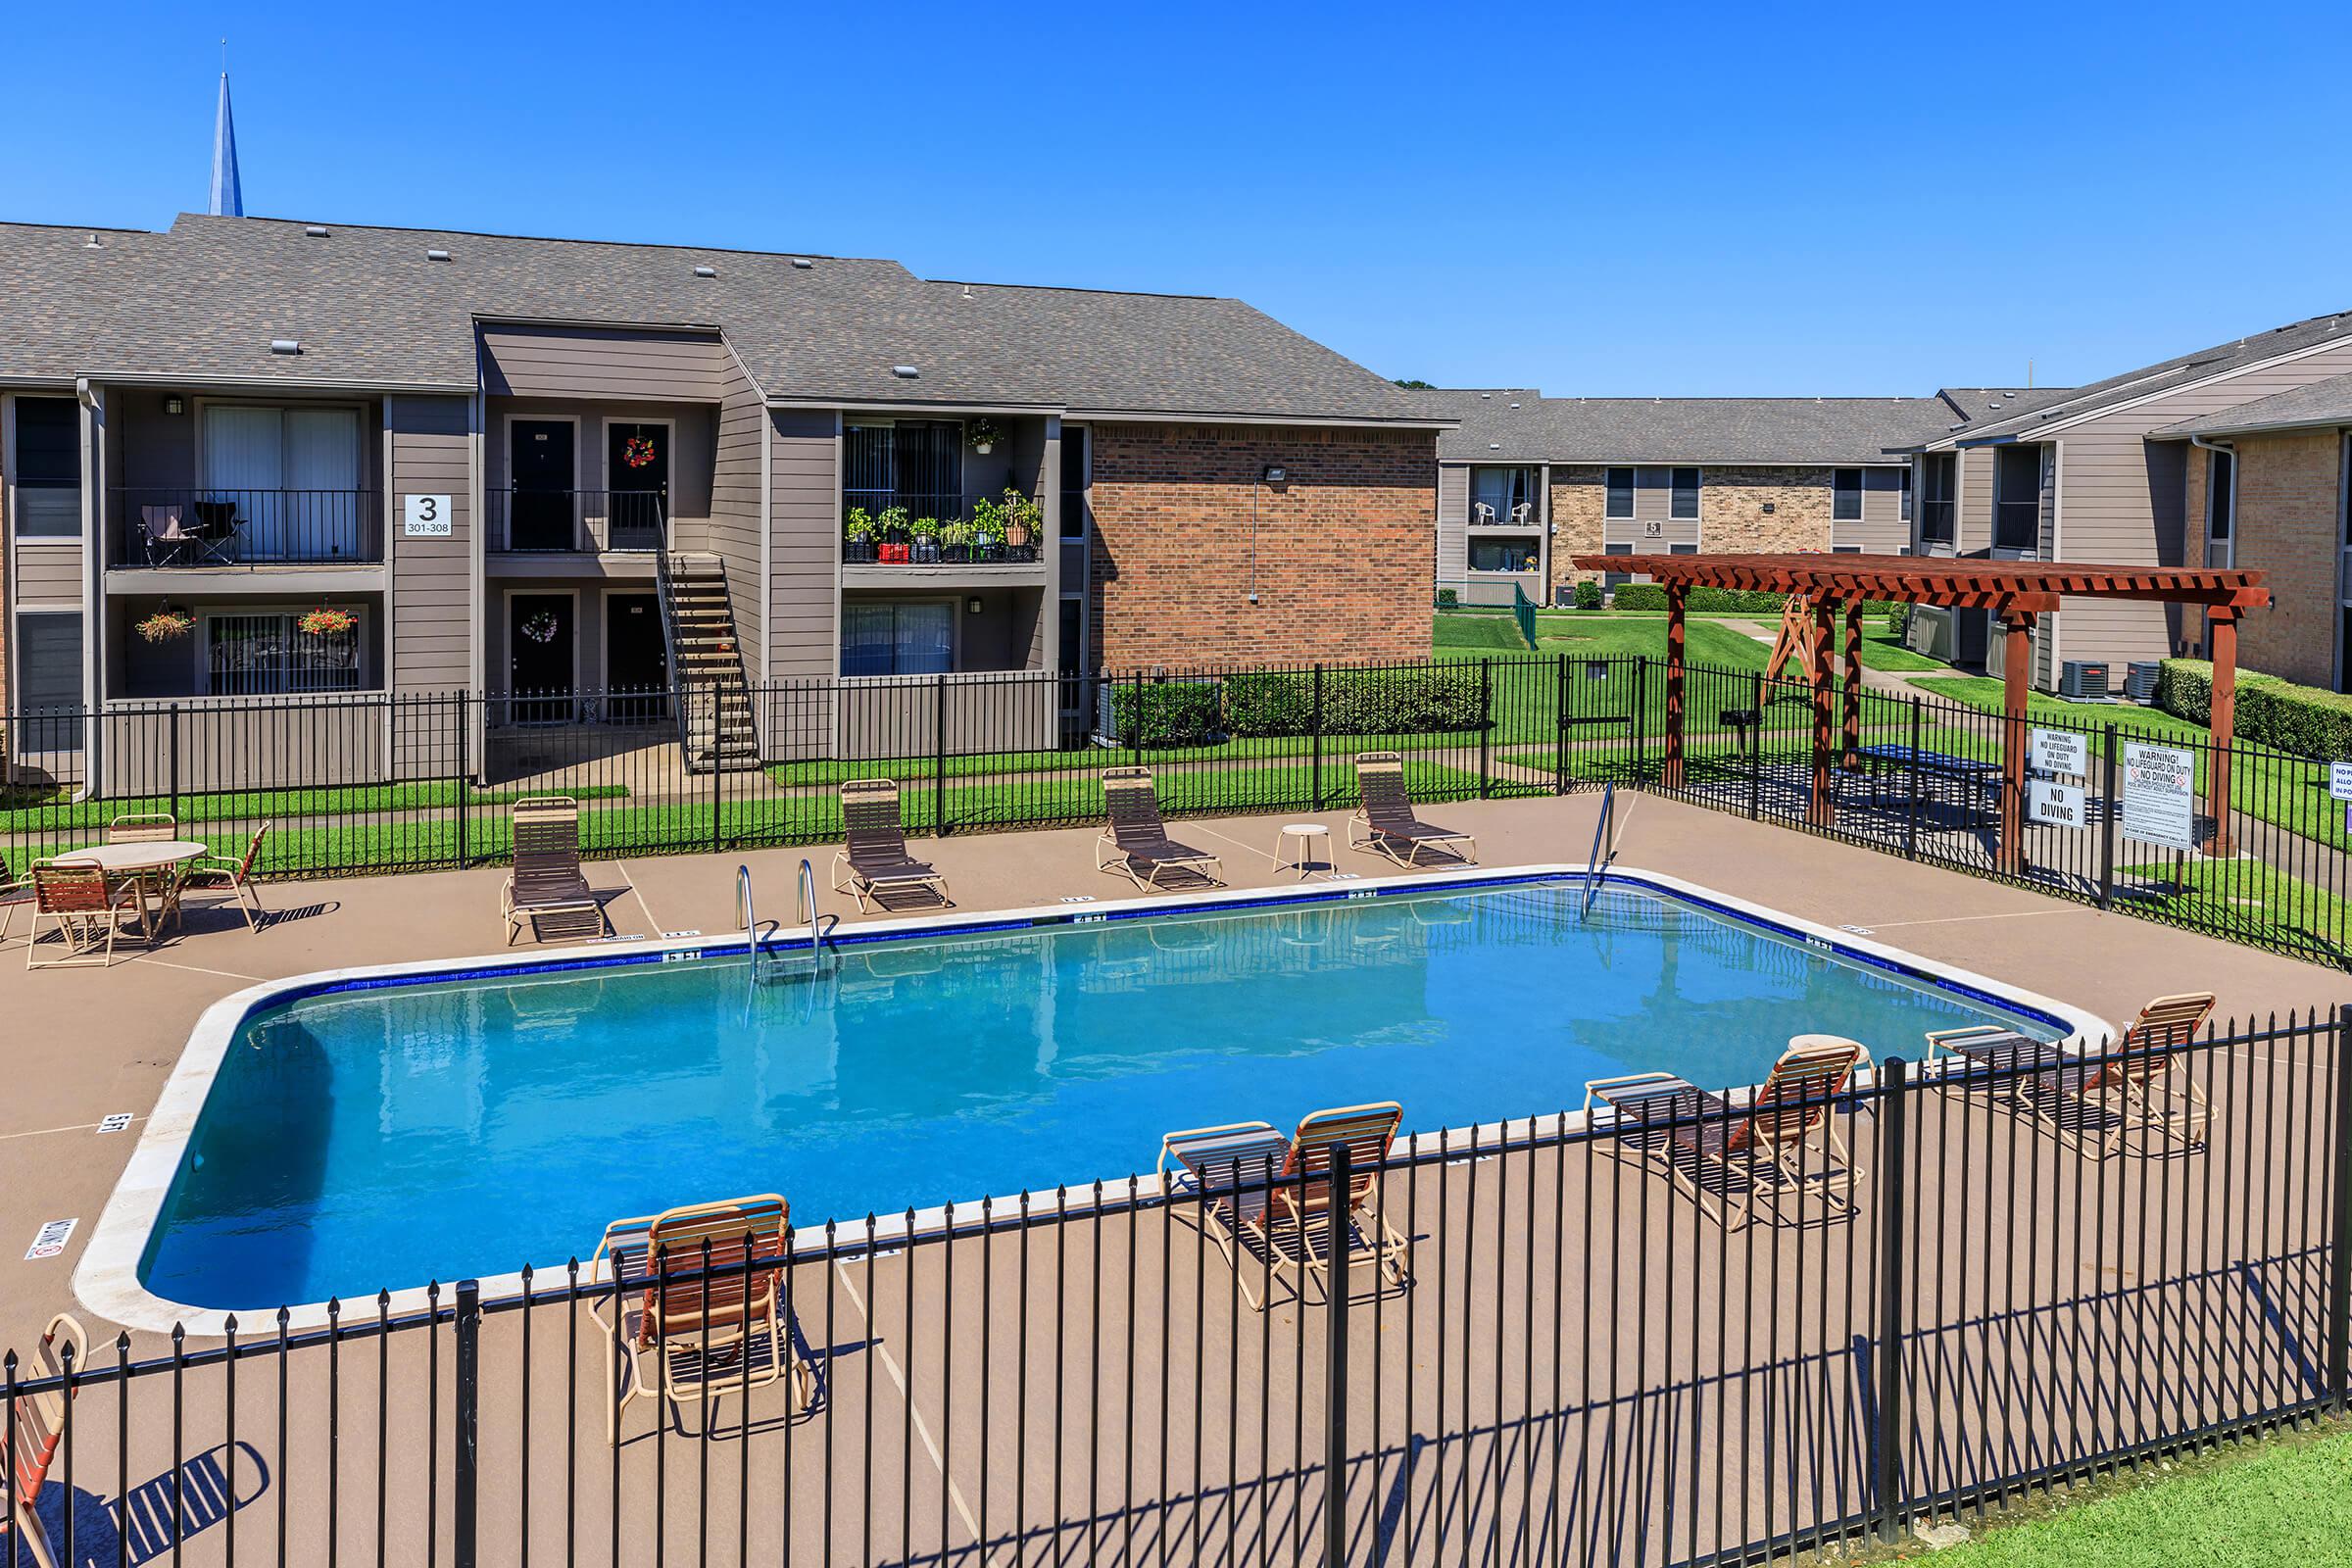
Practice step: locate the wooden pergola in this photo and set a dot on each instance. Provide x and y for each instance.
(2015, 591)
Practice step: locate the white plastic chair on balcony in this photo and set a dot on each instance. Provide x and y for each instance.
(1481, 513)
(1523, 516)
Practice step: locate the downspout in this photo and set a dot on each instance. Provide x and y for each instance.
(93, 671)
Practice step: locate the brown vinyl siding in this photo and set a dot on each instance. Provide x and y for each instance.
(615, 364)
(48, 574)
(432, 645)
(804, 543)
(1454, 522)
(736, 522)
(1972, 533)
(1881, 529)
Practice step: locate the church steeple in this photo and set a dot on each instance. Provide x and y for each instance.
(228, 197)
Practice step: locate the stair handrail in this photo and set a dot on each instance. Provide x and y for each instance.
(663, 592)
(1608, 801)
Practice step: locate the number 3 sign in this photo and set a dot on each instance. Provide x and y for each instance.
(424, 517)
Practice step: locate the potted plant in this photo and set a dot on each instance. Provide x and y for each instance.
(1024, 522)
(988, 529)
(166, 624)
(926, 540)
(983, 435)
(858, 536)
(955, 540)
(892, 525)
(328, 622)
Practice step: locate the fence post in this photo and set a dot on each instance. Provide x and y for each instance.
(175, 762)
(1641, 724)
(464, 708)
(1911, 815)
(1888, 1433)
(2107, 813)
(1317, 731)
(939, 757)
(1559, 733)
(1134, 721)
(467, 1424)
(1335, 1368)
(2339, 1252)
(717, 713)
(1486, 725)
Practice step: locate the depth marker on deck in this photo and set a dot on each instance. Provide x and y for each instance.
(51, 1239)
(116, 1122)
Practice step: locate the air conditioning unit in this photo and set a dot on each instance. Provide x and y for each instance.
(2084, 683)
(2139, 679)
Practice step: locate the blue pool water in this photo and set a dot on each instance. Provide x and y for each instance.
(365, 1137)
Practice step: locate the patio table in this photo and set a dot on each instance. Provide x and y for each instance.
(152, 863)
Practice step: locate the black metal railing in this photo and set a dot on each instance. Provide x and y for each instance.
(524, 520)
(1559, 1336)
(208, 525)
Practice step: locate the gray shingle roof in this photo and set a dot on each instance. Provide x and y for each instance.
(1523, 426)
(368, 307)
(2167, 376)
(2317, 404)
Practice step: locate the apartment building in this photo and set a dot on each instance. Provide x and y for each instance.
(2167, 465)
(1524, 481)
(564, 471)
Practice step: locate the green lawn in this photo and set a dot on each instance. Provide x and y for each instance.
(2290, 1503)
(60, 814)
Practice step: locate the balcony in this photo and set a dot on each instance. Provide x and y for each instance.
(162, 527)
(929, 536)
(526, 521)
(1521, 518)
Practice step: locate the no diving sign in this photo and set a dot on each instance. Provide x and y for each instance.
(2160, 794)
(2058, 804)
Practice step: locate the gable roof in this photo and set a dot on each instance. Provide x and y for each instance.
(371, 308)
(1502, 424)
(2317, 404)
(2166, 376)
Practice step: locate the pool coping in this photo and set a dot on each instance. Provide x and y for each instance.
(106, 1282)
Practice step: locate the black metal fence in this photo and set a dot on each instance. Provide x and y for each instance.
(375, 782)
(1536, 1342)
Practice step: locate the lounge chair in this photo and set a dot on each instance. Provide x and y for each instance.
(872, 863)
(1271, 1193)
(2099, 1099)
(1136, 841)
(84, 905)
(1728, 1155)
(546, 891)
(691, 1281)
(40, 1420)
(1384, 823)
(218, 874)
(143, 828)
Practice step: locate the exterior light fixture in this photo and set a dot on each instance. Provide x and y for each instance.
(1277, 474)
(175, 404)
(972, 606)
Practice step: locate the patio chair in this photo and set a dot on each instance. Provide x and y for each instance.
(1136, 841)
(546, 891)
(1272, 1195)
(15, 894)
(693, 1281)
(2100, 1099)
(215, 529)
(872, 863)
(143, 828)
(84, 905)
(218, 874)
(1384, 823)
(40, 1420)
(168, 543)
(1780, 1144)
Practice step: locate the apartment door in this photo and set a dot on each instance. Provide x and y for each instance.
(636, 659)
(541, 647)
(542, 461)
(637, 473)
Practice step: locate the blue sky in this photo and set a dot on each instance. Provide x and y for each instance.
(1665, 200)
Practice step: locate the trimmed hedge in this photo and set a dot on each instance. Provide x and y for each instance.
(2306, 720)
(1723, 601)
(1166, 712)
(1588, 595)
(1365, 702)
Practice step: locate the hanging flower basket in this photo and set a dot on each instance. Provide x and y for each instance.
(541, 628)
(637, 451)
(983, 435)
(326, 621)
(166, 624)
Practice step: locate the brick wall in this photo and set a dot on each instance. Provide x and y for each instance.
(2289, 492)
(1342, 549)
(1732, 519)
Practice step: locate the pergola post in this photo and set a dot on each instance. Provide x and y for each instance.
(1671, 776)
(2222, 632)
(2016, 683)
(1823, 809)
(1850, 754)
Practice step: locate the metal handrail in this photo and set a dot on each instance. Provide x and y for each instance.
(807, 911)
(744, 913)
(1608, 802)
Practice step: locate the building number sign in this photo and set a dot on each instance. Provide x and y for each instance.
(424, 517)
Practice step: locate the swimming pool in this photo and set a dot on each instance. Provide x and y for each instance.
(363, 1130)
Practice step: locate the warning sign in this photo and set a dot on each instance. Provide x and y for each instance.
(2160, 805)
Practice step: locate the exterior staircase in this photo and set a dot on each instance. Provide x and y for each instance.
(705, 664)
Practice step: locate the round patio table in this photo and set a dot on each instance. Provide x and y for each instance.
(146, 860)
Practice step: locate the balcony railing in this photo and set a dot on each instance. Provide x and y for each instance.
(1521, 517)
(531, 521)
(208, 525)
(956, 541)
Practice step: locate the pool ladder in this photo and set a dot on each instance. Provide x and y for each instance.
(1600, 830)
(748, 916)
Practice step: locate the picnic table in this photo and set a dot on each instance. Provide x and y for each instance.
(1961, 777)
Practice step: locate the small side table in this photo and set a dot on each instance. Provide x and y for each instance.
(1295, 847)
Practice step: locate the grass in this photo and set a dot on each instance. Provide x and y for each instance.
(59, 812)
(2290, 1503)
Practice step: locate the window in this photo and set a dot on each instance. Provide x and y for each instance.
(1845, 550)
(293, 476)
(898, 637)
(1621, 494)
(1940, 476)
(1506, 497)
(2221, 496)
(48, 471)
(1685, 500)
(1503, 555)
(2017, 498)
(265, 654)
(1690, 548)
(1073, 481)
(915, 464)
(1614, 579)
(1845, 495)
(1906, 485)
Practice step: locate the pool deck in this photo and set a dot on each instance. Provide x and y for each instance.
(87, 1043)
